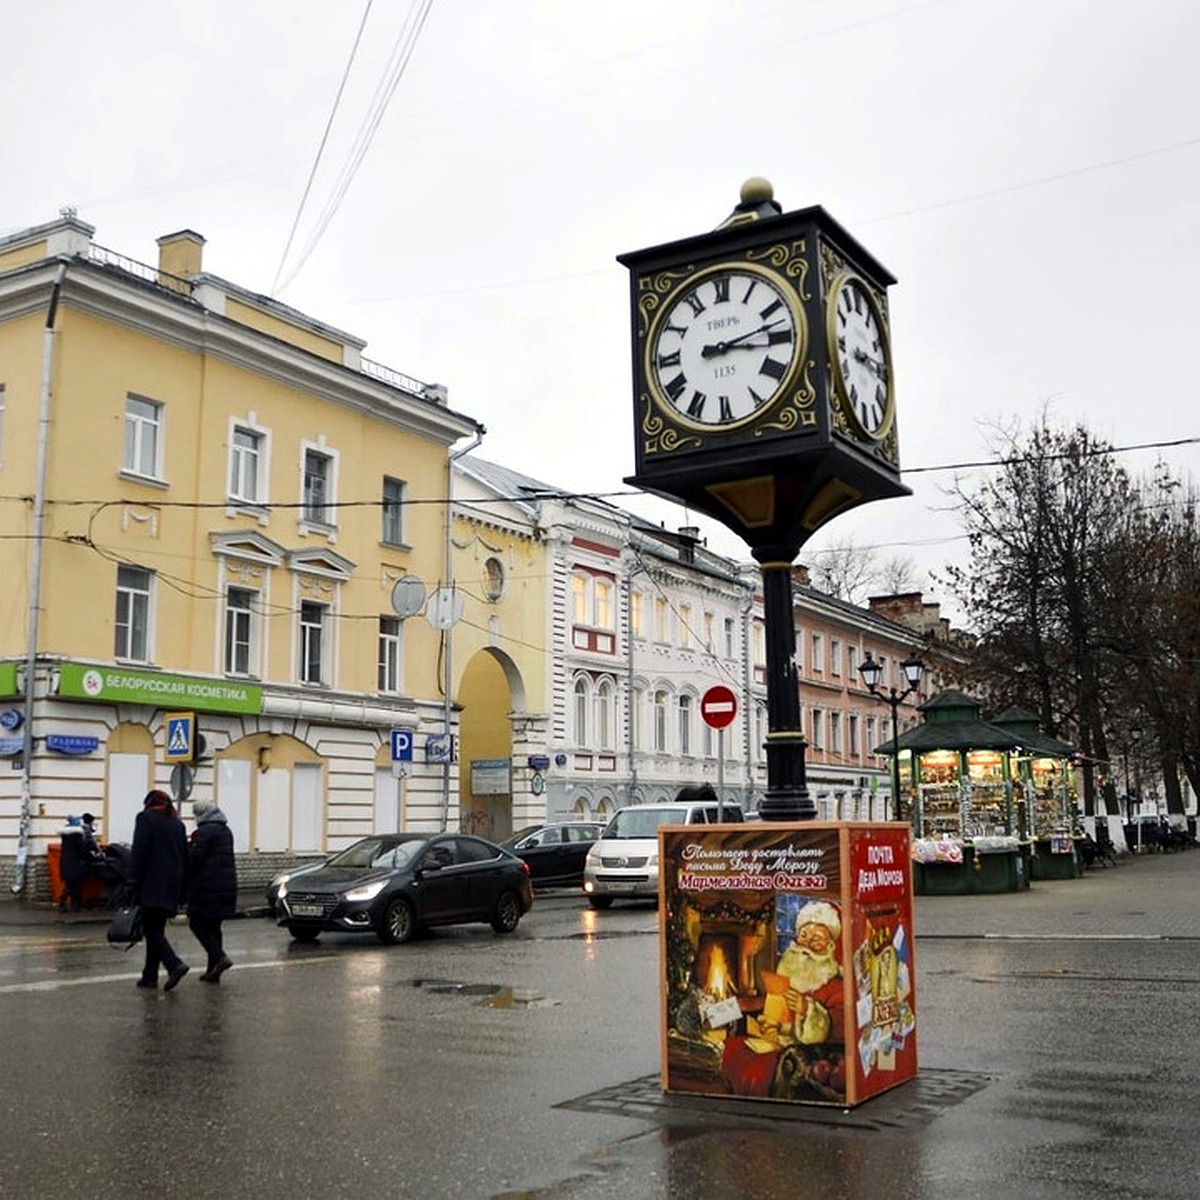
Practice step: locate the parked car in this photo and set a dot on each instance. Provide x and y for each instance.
(624, 862)
(394, 884)
(556, 852)
(286, 876)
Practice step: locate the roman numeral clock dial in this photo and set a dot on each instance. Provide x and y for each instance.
(723, 348)
(861, 356)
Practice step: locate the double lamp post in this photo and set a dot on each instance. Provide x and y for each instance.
(871, 671)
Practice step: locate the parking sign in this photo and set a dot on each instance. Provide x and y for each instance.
(402, 745)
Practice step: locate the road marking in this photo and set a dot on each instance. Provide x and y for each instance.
(52, 985)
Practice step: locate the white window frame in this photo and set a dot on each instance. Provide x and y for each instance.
(390, 656)
(818, 729)
(852, 739)
(637, 614)
(248, 617)
(328, 521)
(602, 709)
(128, 594)
(685, 712)
(308, 630)
(393, 526)
(659, 702)
(817, 666)
(145, 431)
(582, 700)
(729, 637)
(685, 626)
(662, 620)
(835, 732)
(247, 460)
(835, 656)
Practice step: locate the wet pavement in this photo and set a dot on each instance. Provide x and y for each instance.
(1058, 1056)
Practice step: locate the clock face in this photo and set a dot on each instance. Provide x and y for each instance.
(724, 348)
(861, 355)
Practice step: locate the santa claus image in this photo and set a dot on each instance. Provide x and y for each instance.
(814, 974)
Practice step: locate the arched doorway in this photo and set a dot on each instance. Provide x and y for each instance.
(489, 692)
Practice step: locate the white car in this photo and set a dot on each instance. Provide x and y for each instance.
(624, 862)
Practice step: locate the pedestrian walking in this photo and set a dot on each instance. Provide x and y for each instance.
(212, 884)
(159, 876)
(72, 865)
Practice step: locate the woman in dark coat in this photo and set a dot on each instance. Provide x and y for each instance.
(212, 884)
(158, 866)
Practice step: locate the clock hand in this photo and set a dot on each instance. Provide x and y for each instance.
(737, 342)
(877, 367)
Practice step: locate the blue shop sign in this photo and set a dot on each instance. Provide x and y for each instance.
(538, 762)
(11, 746)
(70, 743)
(11, 719)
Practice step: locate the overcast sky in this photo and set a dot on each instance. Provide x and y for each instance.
(1030, 171)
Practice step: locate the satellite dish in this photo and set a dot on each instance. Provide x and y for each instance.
(408, 595)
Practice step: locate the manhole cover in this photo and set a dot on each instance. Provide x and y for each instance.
(911, 1104)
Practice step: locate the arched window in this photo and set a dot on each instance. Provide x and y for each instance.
(660, 720)
(685, 724)
(603, 713)
(582, 700)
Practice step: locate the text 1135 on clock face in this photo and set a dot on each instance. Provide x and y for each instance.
(861, 356)
(724, 347)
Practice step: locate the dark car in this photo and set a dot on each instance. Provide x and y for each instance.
(286, 876)
(393, 884)
(556, 852)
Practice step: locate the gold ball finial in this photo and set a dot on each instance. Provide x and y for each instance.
(757, 190)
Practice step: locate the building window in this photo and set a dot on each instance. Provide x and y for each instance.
(317, 479)
(818, 729)
(389, 654)
(852, 663)
(636, 733)
(835, 656)
(245, 465)
(708, 740)
(661, 623)
(870, 746)
(604, 709)
(729, 638)
(660, 721)
(852, 732)
(818, 654)
(312, 642)
(685, 724)
(708, 632)
(393, 511)
(241, 633)
(758, 646)
(493, 579)
(581, 713)
(637, 614)
(143, 437)
(133, 614)
(835, 732)
(757, 751)
(603, 611)
(685, 626)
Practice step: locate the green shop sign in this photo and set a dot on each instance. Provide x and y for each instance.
(8, 679)
(120, 685)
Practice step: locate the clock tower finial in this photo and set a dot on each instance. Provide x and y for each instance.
(757, 200)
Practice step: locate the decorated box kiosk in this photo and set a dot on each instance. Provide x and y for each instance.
(787, 961)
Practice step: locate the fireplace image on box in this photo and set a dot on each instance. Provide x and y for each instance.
(756, 998)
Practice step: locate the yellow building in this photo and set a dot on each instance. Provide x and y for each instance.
(206, 508)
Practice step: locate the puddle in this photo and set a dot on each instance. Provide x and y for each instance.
(495, 995)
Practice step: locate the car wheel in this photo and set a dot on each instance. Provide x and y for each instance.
(399, 923)
(600, 901)
(507, 913)
(302, 933)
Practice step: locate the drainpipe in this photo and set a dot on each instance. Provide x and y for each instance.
(448, 632)
(35, 583)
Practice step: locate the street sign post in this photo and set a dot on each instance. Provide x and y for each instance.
(718, 707)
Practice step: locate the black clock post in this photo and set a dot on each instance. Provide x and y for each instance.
(763, 396)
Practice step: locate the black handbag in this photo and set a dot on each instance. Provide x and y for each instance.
(126, 926)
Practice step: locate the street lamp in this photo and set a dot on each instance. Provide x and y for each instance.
(872, 673)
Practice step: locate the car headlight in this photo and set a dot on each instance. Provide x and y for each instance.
(652, 861)
(283, 882)
(368, 891)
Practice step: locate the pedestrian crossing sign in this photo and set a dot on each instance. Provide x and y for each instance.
(181, 736)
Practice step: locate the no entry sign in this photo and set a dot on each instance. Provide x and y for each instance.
(718, 707)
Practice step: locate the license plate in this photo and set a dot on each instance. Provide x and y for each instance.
(306, 910)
